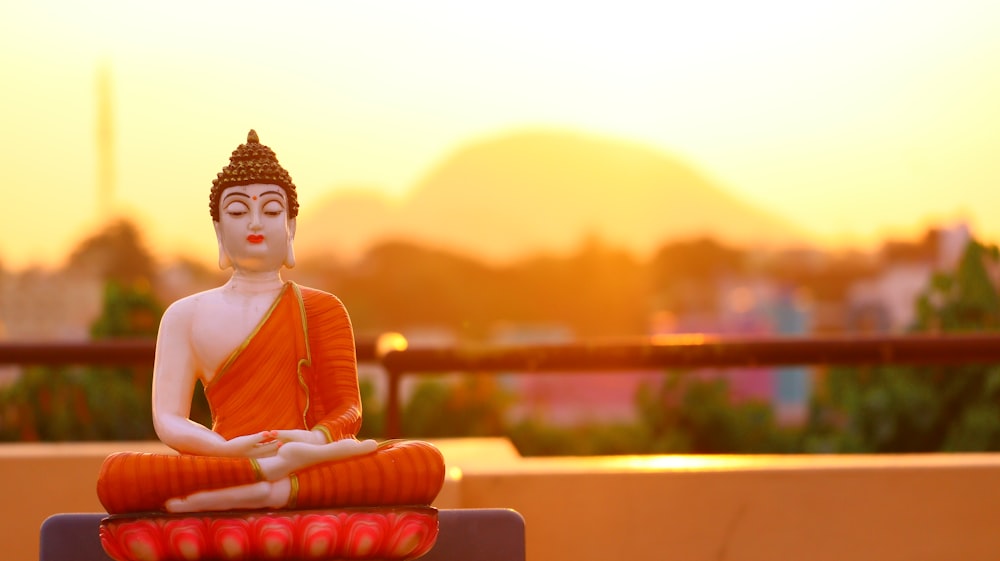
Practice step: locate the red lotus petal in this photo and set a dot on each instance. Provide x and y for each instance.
(411, 535)
(365, 535)
(141, 541)
(110, 542)
(272, 537)
(390, 534)
(231, 538)
(186, 539)
(318, 536)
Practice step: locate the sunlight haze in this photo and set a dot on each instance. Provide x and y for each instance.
(852, 120)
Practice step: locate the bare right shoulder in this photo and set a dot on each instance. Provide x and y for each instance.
(182, 313)
(179, 352)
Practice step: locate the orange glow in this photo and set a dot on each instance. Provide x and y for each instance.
(388, 342)
(849, 120)
(681, 339)
(682, 463)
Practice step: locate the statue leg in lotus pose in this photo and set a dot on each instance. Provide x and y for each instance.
(278, 364)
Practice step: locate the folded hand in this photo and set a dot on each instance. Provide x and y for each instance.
(300, 435)
(257, 445)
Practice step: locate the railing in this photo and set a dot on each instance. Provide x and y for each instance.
(682, 351)
(139, 352)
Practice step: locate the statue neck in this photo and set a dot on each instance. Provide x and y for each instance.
(251, 283)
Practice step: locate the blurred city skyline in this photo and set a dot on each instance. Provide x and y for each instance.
(852, 121)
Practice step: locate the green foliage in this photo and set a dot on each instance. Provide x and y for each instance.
(63, 404)
(533, 437)
(923, 409)
(965, 300)
(687, 414)
(128, 311)
(684, 414)
(885, 409)
(373, 414)
(472, 406)
(96, 403)
(900, 409)
(44, 404)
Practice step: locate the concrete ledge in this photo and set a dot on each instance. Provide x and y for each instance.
(912, 507)
(886, 508)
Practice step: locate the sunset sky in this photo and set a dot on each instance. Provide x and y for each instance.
(854, 119)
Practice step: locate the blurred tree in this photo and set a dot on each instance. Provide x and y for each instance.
(128, 311)
(115, 253)
(399, 285)
(373, 418)
(96, 403)
(120, 398)
(827, 277)
(927, 408)
(598, 291)
(685, 273)
(534, 437)
(965, 300)
(692, 414)
(472, 406)
(43, 404)
(924, 250)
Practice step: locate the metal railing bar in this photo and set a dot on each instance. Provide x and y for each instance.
(681, 352)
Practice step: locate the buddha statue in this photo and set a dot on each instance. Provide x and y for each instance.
(277, 362)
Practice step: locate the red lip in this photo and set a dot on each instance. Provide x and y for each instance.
(255, 238)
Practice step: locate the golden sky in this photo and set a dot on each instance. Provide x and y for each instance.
(853, 118)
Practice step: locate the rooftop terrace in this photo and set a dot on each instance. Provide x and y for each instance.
(817, 507)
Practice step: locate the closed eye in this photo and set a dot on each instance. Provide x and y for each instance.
(237, 209)
(274, 208)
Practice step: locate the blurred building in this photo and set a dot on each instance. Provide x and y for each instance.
(45, 306)
(561, 399)
(754, 307)
(886, 301)
(750, 307)
(40, 305)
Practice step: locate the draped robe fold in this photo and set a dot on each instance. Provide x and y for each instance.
(297, 370)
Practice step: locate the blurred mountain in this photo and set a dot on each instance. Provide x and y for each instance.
(345, 223)
(533, 192)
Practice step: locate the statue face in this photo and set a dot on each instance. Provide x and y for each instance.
(253, 229)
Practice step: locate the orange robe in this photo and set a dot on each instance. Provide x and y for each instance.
(297, 370)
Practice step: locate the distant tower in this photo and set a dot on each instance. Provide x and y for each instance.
(105, 142)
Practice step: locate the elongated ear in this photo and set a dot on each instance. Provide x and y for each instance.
(290, 250)
(224, 260)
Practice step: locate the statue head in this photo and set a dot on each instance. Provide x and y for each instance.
(252, 163)
(248, 190)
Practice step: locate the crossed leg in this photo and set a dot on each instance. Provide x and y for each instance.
(276, 489)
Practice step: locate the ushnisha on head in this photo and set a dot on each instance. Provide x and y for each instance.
(253, 163)
(253, 205)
